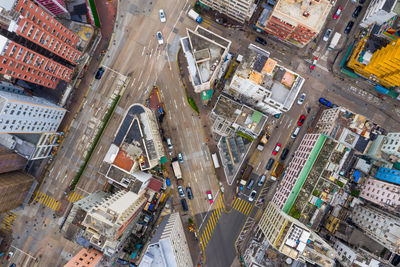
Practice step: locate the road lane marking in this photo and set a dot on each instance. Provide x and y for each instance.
(144, 48)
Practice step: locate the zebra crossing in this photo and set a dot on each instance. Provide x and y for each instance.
(8, 220)
(243, 206)
(47, 201)
(212, 221)
(73, 197)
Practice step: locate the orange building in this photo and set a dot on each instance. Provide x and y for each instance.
(85, 258)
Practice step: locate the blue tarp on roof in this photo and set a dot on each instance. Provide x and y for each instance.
(388, 175)
(356, 176)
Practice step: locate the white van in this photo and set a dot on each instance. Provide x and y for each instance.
(295, 132)
(169, 143)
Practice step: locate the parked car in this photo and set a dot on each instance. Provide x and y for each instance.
(181, 191)
(261, 40)
(162, 15)
(262, 180)
(327, 35)
(99, 73)
(180, 157)
(349, 27)
(250, 184)
(314, 63)
(361, 1)
(325, 102)
(184, 204)
(357, 12)
(210, 197)
(9, 255)
(276, 149)
(301, 120)
(301, 99)
(295, 132)
(338, 11)
(169, 143)
(160, 38)
(284, 154)
(252, 195)
(189, 192)
(270, 164)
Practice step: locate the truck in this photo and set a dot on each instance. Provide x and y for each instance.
(334, 41)
(215, 160)
(246, 174)
(277, 171)
(194, 16)
(177, 171)
(263, 141)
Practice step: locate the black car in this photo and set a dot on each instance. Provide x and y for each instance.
(349, 27)
(184, 204)
(189, 192)
(357, 11)
(361, 1)
(284, 154)
(270, 164)
(261, 41)
(99, 73)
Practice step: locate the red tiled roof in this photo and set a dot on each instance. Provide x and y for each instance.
(155, 185)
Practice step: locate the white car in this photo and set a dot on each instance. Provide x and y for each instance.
(159, 38)
(162, 16)
(252, 195)
(327, 34)
(301, 99)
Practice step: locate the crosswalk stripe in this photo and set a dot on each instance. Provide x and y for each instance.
(214, 220)
(248, 205)
(53, 201)
(57, 206)
(36, 195)
(235, 204)
(207, 233)
(241, 205)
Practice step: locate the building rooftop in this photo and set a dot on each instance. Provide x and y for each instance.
(310, 13)
(261, 83)
(388, 175)
(204, 51)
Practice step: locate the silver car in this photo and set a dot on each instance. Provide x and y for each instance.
(252, 195)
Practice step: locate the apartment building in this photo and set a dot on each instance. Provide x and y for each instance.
(391, 144)
(14, 188)
(382, 193)
(379, 11)
(35, 47)
(109, 220)
(28, 114)
(238, 10)
(85, 258)
(295, 21)
(293, 239)
(381, 226)
(168, 246)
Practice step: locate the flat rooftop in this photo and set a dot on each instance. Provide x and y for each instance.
(309, 13)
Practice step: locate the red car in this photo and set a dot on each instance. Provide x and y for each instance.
(210, 197)
(301, 120)
(338, 11)
(276, 149)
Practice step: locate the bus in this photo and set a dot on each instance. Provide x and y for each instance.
(215, 160)
(177, 169)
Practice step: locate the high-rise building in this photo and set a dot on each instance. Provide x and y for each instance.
(28, 114)
(379, 11)
(10, 161)
(292, 238)
(85, 258)
(376, 61)
(54, 7)
(295, 21)
(109, 221)
(381, 226)
(237, 10)
(168, 245)
(14, 187)
(382, 193)
(35, 47)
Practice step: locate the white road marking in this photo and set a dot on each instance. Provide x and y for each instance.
(258, 166)
(176, 107)
(98, 151)
(57, 176)
(151, 53)
(144, 48)
(133, 81)
(140, 75)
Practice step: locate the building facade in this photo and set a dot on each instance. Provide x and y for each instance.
(10, 161)
(391, 144)
(85, 258)
(28, 114)
(35, 47)
(384, 194)
(379, 11)
(383, 227)
(298, 170)
(54, 7)
(14, 187)
(297, 22)
(238, 10)
(109, 222)
(168, 245)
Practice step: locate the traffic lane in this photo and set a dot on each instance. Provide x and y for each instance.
(220, 250)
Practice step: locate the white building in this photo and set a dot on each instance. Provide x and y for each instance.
(391, 144)
(238, 10)
(261, 83)
(205, 52)
(383, 227)
(168, 247)
(108, 222)
(28, 114)
(379, 11)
